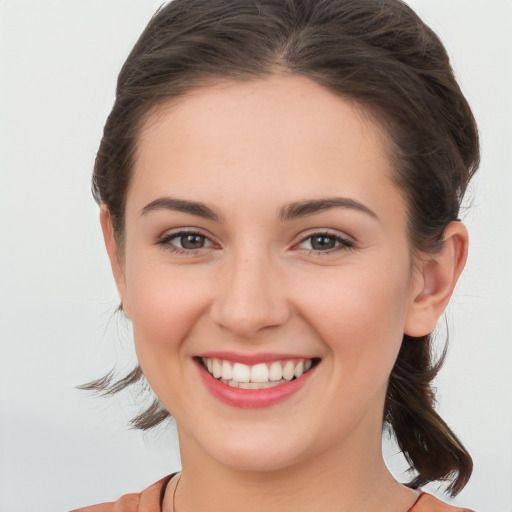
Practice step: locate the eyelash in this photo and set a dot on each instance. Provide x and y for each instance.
(342, 243)
(166, 242)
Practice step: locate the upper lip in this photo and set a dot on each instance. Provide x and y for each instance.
(251, 359)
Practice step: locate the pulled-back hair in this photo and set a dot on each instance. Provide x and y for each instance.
(376, 53)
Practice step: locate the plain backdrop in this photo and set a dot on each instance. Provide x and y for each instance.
(61, 448)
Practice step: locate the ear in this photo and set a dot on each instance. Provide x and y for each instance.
(113, 253)
(435, 281)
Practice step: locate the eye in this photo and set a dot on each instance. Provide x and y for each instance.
(325, 242)
(185, 241)
(191, 241)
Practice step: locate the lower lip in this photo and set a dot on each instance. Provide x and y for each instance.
(252, 398)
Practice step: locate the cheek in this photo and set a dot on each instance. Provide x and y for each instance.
(165, 307)
(164, 303)
(360, 316)
(357, 298)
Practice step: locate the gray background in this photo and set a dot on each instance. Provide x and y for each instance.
(60, 448)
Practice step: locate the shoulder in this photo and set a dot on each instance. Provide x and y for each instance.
(428, 503)
(149, 500)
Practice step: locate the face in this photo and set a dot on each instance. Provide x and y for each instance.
(265, 241)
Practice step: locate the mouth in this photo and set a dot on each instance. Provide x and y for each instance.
(258, 376)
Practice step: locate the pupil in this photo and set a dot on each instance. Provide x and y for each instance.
(192, 241)
(322, 242)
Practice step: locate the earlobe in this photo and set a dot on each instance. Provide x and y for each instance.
(435, 281)
(112, 250)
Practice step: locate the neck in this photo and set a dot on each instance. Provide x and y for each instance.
(343, 479)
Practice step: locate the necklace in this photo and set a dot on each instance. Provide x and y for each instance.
(174, 495)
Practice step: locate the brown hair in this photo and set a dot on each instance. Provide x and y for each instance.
(379, 54)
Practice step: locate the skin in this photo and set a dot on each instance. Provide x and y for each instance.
(246, 151)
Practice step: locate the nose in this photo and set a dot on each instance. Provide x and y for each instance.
(251, 296)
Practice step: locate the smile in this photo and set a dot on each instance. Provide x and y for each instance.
(257, 376)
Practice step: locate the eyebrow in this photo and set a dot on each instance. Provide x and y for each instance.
(288, 212)
(310, 207)
(180, 205)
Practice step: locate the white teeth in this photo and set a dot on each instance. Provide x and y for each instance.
(276, 371)
(288, 370)
(258, 376)
(299, 369)
(227, 371)
(217, 369)
(259, 373)
(249, 385)
(252, 385)
(241, 372)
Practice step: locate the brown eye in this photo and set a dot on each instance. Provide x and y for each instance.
(192, 241)
(323, 243)
(185, 241)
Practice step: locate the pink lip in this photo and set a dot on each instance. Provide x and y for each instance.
(251, 359)
(251, 398)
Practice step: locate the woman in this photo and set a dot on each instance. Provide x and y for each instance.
(279, 185)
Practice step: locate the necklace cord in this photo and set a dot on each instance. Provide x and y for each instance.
(174, 495)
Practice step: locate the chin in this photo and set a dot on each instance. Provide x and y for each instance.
(265, 453)
(257, 460)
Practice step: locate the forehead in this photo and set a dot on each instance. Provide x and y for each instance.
(279, 104)
(285, 135)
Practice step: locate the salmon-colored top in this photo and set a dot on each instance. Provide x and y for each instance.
(150, 500)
